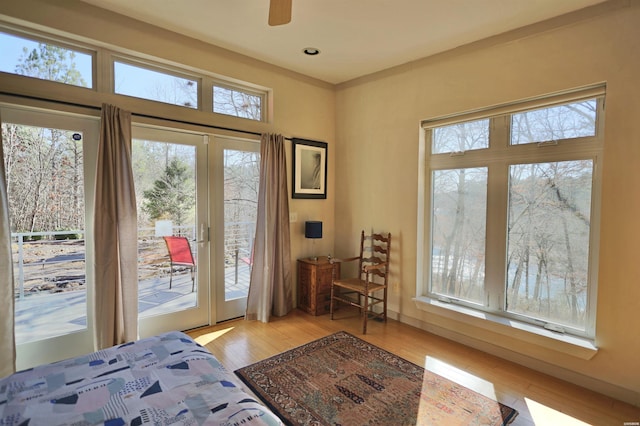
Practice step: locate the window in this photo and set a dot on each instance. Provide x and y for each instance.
(155, 85)
(573, 120)
(548, 240)
(461, 137)
(45, 60)
(459, 226)
(237, 102)
(511, 210)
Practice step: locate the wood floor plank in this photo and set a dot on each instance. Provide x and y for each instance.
(541, 400)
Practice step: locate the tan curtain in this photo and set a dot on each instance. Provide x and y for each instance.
(7, 301)
(270, 291)
(115, 234)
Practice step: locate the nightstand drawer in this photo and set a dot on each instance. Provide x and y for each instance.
(314, 285)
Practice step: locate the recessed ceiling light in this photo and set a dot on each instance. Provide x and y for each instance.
(311, 51)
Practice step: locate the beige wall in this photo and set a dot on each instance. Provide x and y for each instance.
(377, 147)
(301, 106)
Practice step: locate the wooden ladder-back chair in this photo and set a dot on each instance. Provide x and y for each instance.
(180, 254)
(364, 290)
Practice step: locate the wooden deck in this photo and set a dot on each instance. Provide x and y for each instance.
(34, 314)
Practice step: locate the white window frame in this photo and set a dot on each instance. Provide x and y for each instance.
(498, 157)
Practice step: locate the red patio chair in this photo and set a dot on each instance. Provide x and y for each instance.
(180, 255)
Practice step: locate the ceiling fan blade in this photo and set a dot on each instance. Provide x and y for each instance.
(279, 12)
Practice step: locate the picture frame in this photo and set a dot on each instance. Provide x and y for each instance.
(309, 177)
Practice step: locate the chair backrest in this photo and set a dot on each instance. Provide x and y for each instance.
(179, 250)
(375, 249)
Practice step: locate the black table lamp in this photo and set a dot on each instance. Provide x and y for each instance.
(313, 229)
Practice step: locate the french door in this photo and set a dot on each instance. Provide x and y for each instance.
(50, 161)
(170, 175)
(235, 182)
(180, 181)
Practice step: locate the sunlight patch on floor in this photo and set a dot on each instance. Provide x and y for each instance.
(540, 414)
(205, 339)
(462, 377)
(543, 415)
(444, 406)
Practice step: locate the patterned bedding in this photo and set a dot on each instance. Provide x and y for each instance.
(166, 379)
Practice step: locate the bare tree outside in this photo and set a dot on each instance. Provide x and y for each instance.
(461, 137)
(458, 233)
(237, 103)
(44, 178)
(241, 181)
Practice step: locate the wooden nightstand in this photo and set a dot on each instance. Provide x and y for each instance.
(314, 285)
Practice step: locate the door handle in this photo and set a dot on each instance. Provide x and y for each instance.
(202, 240)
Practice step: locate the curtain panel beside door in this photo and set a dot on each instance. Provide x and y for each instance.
(115, 231)
(270, 290)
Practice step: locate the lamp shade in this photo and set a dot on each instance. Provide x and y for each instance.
(313, 229)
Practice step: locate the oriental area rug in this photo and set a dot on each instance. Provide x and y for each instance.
(343, 380)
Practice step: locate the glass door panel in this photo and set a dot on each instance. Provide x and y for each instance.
(170, 174)
(238, 168)
(49, 161)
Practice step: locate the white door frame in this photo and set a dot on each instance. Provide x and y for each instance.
(78, 342)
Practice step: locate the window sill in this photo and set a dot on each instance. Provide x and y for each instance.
(564, 343)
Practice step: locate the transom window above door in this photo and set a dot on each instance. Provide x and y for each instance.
(75, 63)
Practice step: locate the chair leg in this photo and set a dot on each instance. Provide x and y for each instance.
(193, 279)
(385, 304)
(365, 313)
(331, 305)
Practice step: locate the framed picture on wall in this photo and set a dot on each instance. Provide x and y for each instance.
(309, 168)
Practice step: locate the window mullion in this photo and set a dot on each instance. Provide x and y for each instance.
(497, 200)
(104, 71)
(206, 94)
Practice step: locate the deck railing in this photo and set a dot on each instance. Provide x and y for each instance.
(238, 248)
(238, 244)
(50, 237)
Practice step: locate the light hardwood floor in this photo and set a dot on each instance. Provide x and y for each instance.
(540, 399)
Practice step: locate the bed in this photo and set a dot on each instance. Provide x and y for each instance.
(165, 379)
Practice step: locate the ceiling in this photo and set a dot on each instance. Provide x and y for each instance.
(355, 37)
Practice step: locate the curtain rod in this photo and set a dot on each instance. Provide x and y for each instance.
(173, 120)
